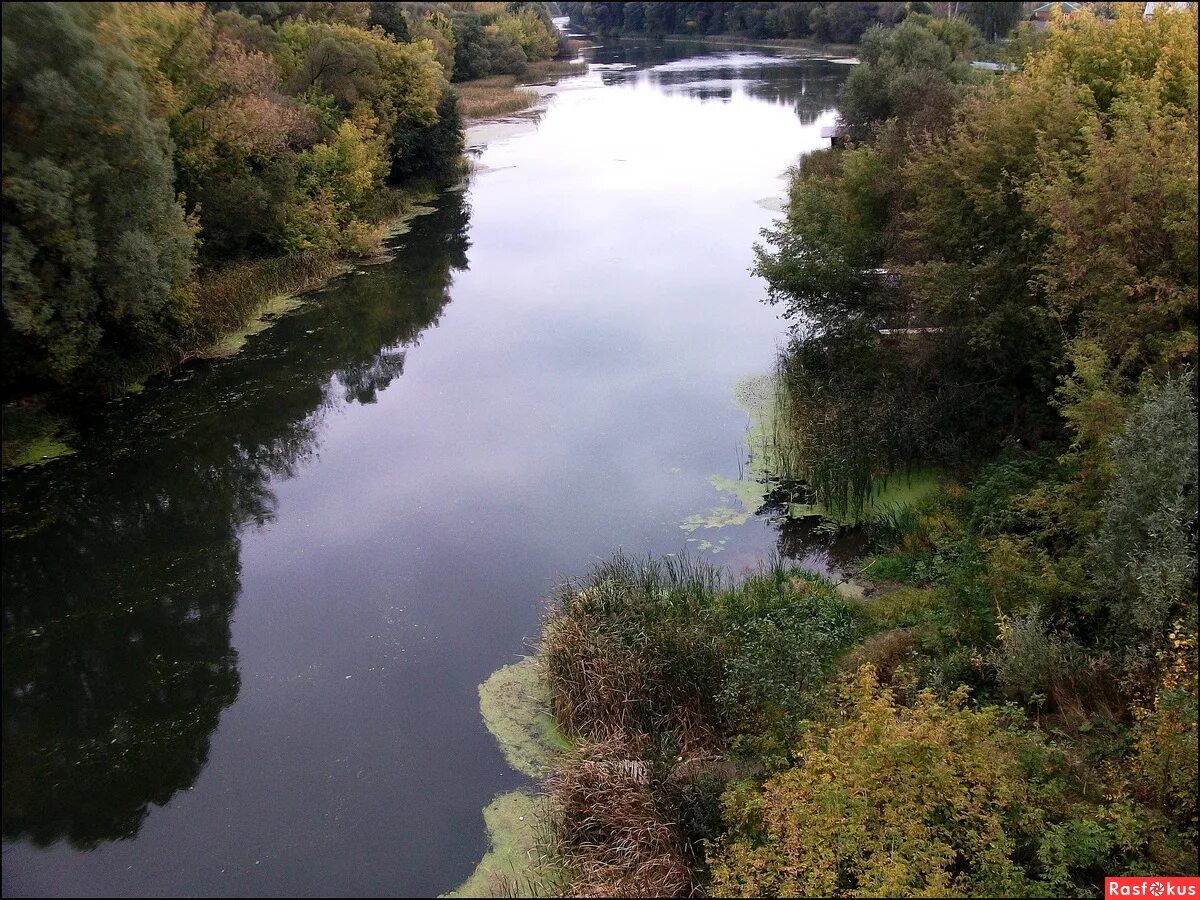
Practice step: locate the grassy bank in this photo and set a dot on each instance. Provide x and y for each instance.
(502, 95)
(938, 735)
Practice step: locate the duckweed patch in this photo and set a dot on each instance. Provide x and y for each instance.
(512, 830)
(402, 224)
(33, 436)
(516, 709)
(515, 705)
(719, 517)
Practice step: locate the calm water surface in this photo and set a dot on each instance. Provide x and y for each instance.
(245, 624)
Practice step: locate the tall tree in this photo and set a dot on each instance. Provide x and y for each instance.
(97, 251)
(994, 20)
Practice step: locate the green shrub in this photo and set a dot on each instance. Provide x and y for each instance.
(1145, 551)
(1164, 759)
(932, 799)
(777, 663)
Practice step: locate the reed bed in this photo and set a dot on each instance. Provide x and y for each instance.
(610, 830)
(628, 652)
(502, 95)
(552, 70)
(497, 95)
(653, 666)
(228, 297)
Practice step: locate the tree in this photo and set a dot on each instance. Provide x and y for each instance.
(391, 18)
(915, 72)
(994, 20)
(97, 253)
(432, 152)
(843, 23)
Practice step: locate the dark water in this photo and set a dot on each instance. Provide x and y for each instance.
(244, 625)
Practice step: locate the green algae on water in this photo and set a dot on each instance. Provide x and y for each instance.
(402, 224)
(264, 318)
(515, 705)
(512, 829)
(33, 437)
(516, 709)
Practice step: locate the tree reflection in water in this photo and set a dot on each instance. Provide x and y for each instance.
(121, 563)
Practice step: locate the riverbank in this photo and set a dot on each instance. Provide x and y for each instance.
(669, 680)
(706, 716)
(501, 95)
(240, 299)
(1004, 703)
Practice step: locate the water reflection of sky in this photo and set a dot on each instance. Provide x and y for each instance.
(359, 515)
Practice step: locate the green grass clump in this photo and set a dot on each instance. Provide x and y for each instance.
(669, 650)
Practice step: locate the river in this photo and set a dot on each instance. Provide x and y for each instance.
(245, 623)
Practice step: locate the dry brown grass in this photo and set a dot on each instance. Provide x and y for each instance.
(502, 95)
(886, 651)
(550, 70)
(603, 689)
(1085, 694)
(227, 297)
(610, 833)
(498, 95)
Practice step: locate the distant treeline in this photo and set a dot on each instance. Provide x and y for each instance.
(150, 146)
(843, 23)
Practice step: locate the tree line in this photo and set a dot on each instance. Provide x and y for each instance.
(843, 23)
(998, 276)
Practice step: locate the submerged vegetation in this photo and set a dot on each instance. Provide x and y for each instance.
(516, 710)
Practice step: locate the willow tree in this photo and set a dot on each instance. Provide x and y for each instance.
(97, 251)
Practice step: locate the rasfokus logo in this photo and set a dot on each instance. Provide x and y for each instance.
(1149, 886)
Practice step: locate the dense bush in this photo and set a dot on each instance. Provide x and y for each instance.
(914, 72)
(929, 799)
(487, 42)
